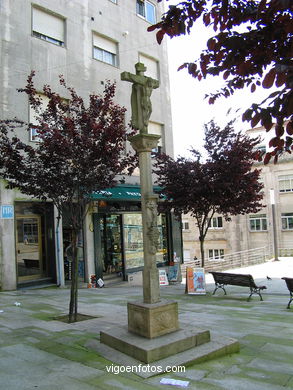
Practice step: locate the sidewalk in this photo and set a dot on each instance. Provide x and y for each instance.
(38, 352)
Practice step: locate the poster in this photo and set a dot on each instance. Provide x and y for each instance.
(195, 281)
(173, 273)
(163, 278)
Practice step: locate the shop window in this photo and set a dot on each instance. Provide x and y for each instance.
(287, 221)
(133, 240)
(258, 223)
(216, 254)
(105, 50)
(152, 66)
(146, 10)
(286, 183)
(49, 27)
(216, 223)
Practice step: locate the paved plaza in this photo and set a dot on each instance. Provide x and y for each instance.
(39, 352)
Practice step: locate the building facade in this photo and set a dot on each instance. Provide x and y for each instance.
(88, 42)
(251, 231)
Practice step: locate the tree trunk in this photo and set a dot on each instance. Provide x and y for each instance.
(201, 240)
(74, 280)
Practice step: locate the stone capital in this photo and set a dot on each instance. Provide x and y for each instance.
(144, 142)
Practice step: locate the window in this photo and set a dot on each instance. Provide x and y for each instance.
(114, 1)
(33, 118)
(261, 148)
(287, 221)
(133, 240)
(105, 50)
(30, 231)
(258, 223)
(49, 27)
(286, 183)
(185, 225)
(156, 128)
(215, 254)
(216, 223)
(151, 65)
(34, 134)
(147, 10)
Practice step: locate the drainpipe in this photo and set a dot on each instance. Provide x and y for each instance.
(59, 252)
(272, 198)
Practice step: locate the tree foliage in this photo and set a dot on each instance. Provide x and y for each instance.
(80, 150)
(224, 183)
(252, 47)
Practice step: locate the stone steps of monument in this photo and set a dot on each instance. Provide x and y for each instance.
(210, 348)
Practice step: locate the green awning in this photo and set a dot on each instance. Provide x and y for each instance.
(126, 193)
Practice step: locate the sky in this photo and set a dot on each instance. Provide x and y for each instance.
(190, 111)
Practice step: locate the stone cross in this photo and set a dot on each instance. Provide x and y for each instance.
(143, 143)
(142, 88)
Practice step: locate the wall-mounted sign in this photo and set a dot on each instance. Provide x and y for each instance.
(7, 211)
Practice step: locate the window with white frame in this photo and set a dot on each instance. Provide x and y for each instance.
(105, 50)
(261, 148)
(47, 26)
(185, 225)
(215, 254)
(156, 128)
(286, 183)
(258, 223)
(287, 221)
(152, 66)
(33, 118)
(147, 10)
(216, 223)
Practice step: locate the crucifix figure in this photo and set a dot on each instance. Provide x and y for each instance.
(142, 88)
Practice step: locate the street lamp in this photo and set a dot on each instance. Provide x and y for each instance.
(273, 204)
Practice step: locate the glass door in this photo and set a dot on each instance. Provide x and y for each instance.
(29, 247)
(112, 246)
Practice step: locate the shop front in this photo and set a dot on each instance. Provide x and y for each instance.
(118, 234)
(34, 242)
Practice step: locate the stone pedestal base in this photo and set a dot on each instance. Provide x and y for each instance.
(152, 320)
(149, 351)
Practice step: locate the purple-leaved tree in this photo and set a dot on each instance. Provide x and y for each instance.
(224, 183)
(252, 47)
(80, 150)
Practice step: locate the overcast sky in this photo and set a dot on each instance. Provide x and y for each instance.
(189, 108)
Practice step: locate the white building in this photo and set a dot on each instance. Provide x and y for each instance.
(251, 231)
(88, 42)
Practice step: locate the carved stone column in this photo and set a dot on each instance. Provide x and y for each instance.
(143, 144)
(153, 317)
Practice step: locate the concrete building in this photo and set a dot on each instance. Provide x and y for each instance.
(88, 42)
(251, 231)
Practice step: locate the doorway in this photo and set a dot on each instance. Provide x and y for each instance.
(29, 247)
(112, 246)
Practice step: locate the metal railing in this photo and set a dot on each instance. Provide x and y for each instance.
(232, 260)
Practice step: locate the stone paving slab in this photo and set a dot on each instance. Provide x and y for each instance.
(37, 352)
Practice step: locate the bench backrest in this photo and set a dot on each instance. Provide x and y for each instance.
(289, 282)
(234, 279)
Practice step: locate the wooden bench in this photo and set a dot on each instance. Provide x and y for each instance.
(224, 278)
(289, 282)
